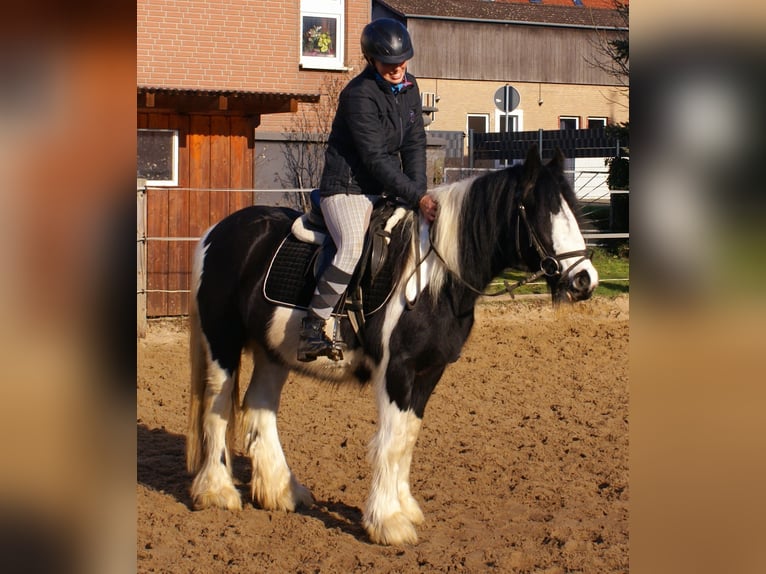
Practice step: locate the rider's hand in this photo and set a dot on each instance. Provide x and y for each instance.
(428, 207)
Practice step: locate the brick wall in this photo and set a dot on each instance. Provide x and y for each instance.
(254, 45)
(232, 44)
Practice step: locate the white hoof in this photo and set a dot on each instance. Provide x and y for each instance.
(225, 496)
(394, 530)
(412, 511)
(287, 499)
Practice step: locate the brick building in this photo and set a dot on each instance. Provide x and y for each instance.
(220, 82)
(208, 74)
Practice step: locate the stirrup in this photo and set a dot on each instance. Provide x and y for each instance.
(313, 342)
(333, 352)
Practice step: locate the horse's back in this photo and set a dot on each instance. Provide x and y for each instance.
(233, 258)
(243, 239)
(248, 225)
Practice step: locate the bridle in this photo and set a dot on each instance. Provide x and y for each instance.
(551, 265)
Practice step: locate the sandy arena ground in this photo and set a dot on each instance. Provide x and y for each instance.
(521, 466)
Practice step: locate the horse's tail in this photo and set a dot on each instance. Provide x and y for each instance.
(194, 446)
(199, 373)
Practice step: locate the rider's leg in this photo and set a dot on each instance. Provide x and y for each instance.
(347, 218)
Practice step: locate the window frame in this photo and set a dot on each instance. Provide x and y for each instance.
(575, 118)
(174, 159)
(517, 115)
(477, 115)
(603, 119)
(322, 10)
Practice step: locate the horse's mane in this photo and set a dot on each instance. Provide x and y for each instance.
(475, 226)
(451, 198)
(472, 215)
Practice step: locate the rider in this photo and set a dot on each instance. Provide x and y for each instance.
(377, 146)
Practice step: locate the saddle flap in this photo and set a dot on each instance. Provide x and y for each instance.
(380, 238)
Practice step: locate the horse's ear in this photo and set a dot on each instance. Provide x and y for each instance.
(532, 167)
(533, 157)
(557, 163)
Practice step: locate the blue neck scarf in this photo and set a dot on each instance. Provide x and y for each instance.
(395, 88)
(401, 87)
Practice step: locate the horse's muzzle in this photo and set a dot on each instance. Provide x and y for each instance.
(577, 287)
(581, 287)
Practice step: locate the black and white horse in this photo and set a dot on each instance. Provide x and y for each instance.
(522, 216)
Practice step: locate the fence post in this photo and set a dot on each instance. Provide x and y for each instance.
(470, 148)
(141, 258)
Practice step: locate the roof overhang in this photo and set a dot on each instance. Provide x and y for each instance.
(190, 100)
(550, 16)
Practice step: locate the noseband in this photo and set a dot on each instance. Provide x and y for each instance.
(551, 265)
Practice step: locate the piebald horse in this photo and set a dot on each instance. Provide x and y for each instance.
(522, 216)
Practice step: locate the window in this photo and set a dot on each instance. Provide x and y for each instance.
(430, 103)
(507, 123)
(513, 122)
(479, 123)
(322, 34)
(157, 160)
(596, 122)
(569, 123)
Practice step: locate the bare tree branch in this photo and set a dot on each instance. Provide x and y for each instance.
(306, 138)
(612, 54)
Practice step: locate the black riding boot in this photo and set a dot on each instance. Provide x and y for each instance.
(314, 343)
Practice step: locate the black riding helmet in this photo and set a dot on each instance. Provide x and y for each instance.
(387, 41)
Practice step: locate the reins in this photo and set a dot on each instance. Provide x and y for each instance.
(465, 283)
(550, 265)
(420, 260)
(432, 249)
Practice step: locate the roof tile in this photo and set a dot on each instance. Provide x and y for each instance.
(514, 11)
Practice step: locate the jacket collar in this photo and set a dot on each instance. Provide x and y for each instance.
(394, 89)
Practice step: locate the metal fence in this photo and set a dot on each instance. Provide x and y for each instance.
(598, 211)
(603, 211)
(509, 146)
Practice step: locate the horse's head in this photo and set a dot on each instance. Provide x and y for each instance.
(554, 243)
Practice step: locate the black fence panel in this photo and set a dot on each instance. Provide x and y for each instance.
(594, 142)
(453, 142)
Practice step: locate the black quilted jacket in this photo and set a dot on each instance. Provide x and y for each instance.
(377, 144)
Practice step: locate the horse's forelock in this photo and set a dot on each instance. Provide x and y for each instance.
(561, 187)
(551, 195)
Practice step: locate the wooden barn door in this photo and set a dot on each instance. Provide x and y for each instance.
(215, 160)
